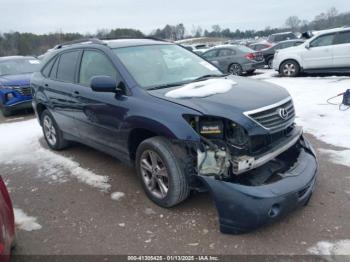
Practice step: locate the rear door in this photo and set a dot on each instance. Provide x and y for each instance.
(341, 50)
(59, 87)
(226, 56)
(320, 53)
(99, 115)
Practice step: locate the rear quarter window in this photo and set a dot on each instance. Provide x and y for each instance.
(67, 66)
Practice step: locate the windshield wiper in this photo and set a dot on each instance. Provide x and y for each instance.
(165, 86)
(208, 76)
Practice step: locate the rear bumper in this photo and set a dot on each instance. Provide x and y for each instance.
(253, 66)
(27, 104)
(246, 208)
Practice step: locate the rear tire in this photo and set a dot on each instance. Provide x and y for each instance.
(235, 69)
(250, 72)
(290, 68)
(160, 172)
(52, 133)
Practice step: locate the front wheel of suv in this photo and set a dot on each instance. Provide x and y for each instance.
(53, 135)
(290, 68)
(162, 177)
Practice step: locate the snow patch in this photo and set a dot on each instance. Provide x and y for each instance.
(202, 89)
(338, 157)
(310, 96)
(22, 147)
(25, 222)
(117, 195)
(341, 247)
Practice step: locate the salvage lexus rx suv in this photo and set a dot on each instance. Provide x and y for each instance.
(183, 123)
(15, 73)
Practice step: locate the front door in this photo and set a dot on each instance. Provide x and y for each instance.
(99, 115)
(320, 53)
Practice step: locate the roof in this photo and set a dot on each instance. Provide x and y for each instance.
(5, 58)
(283, 33)
(118, 43)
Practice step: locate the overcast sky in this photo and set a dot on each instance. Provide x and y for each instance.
(43, 16)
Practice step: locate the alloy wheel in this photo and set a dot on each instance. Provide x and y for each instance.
(235, 69)
(154, 174)
(49, 130)
(289, 69)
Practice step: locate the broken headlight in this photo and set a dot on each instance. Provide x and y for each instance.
(215, 128)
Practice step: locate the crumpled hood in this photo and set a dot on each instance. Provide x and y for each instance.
(246, 94)
(15, 80)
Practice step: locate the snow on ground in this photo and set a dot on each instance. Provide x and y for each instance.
(25, 222)
(22, 147)
(341, 247)
(317, 117)
(117, 195)
(338, 157)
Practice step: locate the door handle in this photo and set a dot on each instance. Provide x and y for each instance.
(76, 93)
(46, 85)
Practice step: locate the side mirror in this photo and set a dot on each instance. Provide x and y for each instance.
(103, 84)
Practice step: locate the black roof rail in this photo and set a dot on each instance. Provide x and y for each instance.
(78, 41)
(136, 37)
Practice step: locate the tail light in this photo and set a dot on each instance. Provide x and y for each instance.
(250, 56)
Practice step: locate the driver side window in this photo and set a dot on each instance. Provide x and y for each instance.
(94, 63)
(324, 40)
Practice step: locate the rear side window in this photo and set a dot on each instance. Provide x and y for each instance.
(323, 40)
(342, 38)
(67, 66)
(47, 69)
(53, 73)
(226, 52)
(93, 64)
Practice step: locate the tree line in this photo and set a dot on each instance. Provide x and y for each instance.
(15, 43)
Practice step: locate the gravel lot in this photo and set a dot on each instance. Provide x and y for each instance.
(76, 217)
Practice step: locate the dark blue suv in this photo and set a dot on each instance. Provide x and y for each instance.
(15, 74)
(183, 124)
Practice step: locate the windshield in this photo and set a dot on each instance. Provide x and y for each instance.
(19, 66)
(161, 65)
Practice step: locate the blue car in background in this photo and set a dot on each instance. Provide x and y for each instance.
(15, 74)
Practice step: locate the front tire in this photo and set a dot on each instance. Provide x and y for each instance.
(53, 135)
(5, 112)
(290, 68)
(162, 177)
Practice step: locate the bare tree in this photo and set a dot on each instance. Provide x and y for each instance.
(293, 22)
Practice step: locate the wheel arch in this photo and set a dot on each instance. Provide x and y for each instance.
(40, 108)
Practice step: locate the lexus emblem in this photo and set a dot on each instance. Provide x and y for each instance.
(283, 113)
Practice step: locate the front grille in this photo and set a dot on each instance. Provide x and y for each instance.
(270, 117)
(23, 90)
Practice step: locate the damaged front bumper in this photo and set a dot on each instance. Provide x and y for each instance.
(244, 208)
